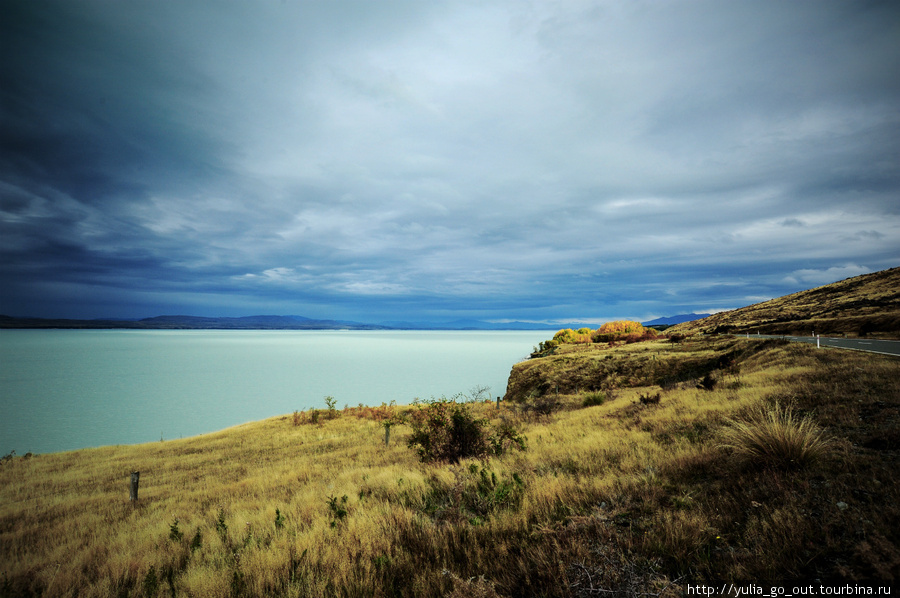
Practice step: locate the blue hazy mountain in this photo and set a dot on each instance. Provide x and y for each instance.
(672, 320)
(178, 322)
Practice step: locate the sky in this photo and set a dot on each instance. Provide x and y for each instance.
(437, 161)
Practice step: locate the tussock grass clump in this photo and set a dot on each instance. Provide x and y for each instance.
(592, 399)
(776, 436)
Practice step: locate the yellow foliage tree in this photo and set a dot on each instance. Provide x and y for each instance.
(567, 335)
(607, 332)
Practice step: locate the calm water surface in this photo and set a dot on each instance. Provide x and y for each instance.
(69, 389)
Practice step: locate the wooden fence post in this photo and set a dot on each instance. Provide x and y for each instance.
(135, 479)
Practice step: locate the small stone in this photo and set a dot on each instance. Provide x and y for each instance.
(842, 506)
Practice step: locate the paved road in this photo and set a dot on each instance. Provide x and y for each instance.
(884, 347)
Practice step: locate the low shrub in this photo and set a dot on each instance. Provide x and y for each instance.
(316, 416)
(332, 412)
(506, 436)
(338, 509)
(475, 494)
(151, 582)
(776, 437)
(380, 414)
(445, 430)
(593, 398)
(709, 382)
(541, 405)
(175, 534)
(648, 399)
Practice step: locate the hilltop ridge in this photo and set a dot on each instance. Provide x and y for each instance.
(866, 305)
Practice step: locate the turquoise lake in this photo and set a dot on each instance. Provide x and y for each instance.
(70, 389)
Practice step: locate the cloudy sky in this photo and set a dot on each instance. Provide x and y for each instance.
(430, 161)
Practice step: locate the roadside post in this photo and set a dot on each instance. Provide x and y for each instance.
(135, 480)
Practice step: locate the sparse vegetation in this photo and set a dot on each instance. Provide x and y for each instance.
(621, 497)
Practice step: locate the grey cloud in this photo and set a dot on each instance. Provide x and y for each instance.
(793, 223)
(484, 157)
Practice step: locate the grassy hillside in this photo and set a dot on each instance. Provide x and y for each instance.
(629, 485)
(867, 305)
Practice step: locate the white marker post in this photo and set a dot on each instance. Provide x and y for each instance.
(818, 346)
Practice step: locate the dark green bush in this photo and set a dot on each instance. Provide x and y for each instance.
(593, 398)
(175, 534)
(709, 381)
(648, 399)
(197, 541)
(151, 582)
(338, 508)
(445, 430)
(505, 436)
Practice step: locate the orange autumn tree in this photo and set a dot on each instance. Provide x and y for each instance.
(620, 330)
(621, 327)
(626, 330)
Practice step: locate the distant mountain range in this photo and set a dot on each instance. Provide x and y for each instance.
(470, 325)
(256, 323)
(290, 323)
(192, 323)
(672, 320)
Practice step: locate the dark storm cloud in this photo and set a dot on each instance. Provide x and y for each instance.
(394, 160)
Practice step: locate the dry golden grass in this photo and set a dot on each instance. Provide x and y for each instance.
(616, 495)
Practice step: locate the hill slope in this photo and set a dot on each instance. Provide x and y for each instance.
(617, 492)
(867, 305)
